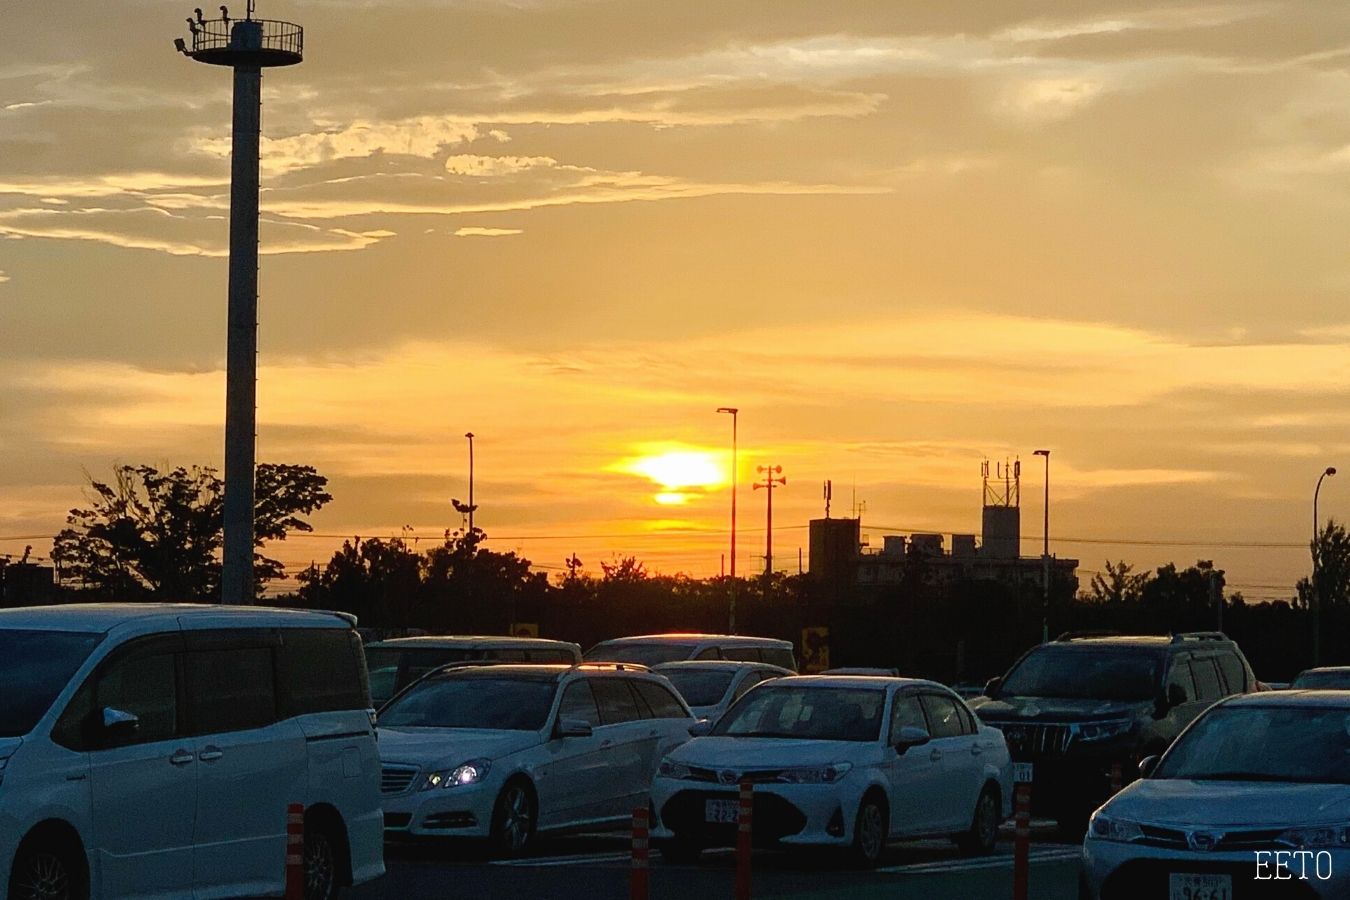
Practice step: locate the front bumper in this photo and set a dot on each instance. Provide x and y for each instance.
(812, 814)
(462, 811)
(1120, 871)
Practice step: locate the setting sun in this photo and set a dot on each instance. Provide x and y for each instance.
(677, 470)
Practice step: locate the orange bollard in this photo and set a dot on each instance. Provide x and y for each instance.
(639, 883)
(744, 817)
(295, 852)
(1022, 839)
(1115, 778)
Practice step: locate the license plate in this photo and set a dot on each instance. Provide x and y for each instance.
(1199, 887)
(721, 811)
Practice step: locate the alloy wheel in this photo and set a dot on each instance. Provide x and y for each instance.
(42, 876)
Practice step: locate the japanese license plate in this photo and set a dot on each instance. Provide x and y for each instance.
(721, 811)
(1199, 887)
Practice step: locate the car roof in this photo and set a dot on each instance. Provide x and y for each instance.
(1301, 698)
(1326, 670)
(726, 640)
(859, 681)
(104, 617)
(545, 671)
(457, 641)
(716, 665)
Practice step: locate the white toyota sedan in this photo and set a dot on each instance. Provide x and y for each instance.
(841, 761)
(1252, 800)
(506, 752)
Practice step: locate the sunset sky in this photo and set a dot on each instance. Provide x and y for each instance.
(901, 237)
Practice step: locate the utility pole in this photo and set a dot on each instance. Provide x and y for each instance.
(1045, 555)
(773, 478)
(247, 46)
(731, 611)
(472, 507)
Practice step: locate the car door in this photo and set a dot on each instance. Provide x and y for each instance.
(954, 799)
(143, 778)
(914, 775)
(571, 775)
(623, 737)
(250, 764)
(1180, 683)
(669, 723)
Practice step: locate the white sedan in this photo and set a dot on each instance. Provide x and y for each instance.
(850, 762)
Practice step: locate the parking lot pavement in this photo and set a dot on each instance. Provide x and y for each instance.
(596, 867)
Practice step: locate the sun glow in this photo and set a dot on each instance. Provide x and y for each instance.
(682, 473)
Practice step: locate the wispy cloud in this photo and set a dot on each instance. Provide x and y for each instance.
(476, 231)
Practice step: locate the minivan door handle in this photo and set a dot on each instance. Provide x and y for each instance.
(935, 755)
(181, 758)
(210, 754)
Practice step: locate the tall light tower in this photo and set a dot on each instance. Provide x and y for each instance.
(731, 614)
(1316, 585)
(248, 46)
(472, 506)
(768, 484)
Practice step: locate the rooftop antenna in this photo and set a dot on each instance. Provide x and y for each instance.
(829, 493)
(247, 47)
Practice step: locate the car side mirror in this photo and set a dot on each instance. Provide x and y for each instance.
(701, 728)
(910, 736)
(1176, 695)
(1147, 765)
(991, 687)
(574, 728)
(119, 722)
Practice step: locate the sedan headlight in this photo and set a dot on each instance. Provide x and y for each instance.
(670, 769)
(815, 774)
(1317, 837)
(1105, 828)
(1101, 731)
(471, 772)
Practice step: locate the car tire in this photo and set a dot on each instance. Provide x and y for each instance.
(983, 832)
(681, 851)
(321, 864)
(47, 871)
(513, 819)
(869, 832)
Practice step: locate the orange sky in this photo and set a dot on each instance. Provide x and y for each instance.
(901, 237)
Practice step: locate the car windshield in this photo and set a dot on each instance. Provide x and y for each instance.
(1302, 744)
(1334, 680)
(507, 704)
(1085, 672)
(34, 667)
(642, 654)
(700, 688)
(384, 662)
(819, 713)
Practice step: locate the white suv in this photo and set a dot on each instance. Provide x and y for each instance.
(502, 752)
(151, 750)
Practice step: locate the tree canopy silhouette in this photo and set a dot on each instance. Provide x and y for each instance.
(151, 535)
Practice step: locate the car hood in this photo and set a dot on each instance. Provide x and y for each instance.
(449, 746)
(1055, 709)
(8, 746)
(1174, 801)
(764, 753)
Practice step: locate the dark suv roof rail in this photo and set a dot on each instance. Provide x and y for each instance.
(617, 667)
(1199, 636)
(1077, 635)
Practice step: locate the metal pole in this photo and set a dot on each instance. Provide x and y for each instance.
(1045, 555)
(241, 371)
(1316, 577)
(768, 547)
(469, 435)
(731, 610)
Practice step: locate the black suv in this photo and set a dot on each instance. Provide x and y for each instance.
(1086, 702)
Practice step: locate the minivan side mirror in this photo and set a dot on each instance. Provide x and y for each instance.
(1147, 765)
(701, 728)
(120, 723)
(910, 736)
(574, 728)
(991, 687)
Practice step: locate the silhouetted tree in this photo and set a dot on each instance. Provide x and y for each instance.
(157, 535)
(1332, 552)
(1118, 584)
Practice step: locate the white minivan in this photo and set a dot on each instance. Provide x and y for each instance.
(654, 649)
(151, 750)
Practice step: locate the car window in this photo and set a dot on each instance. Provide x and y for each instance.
(578, 702)
(1234, 675)
(1207, 684)
(781, 709)
(35, 667)
(321, 671)
(1181, 677)
(506, 654)
(750, 680)
(710, 653)
(906, 712)
(550, 656)
(642, 654)
(230, 689)
(741, 654)
(616, 702)
(660, 700)
(944, 719)
(145, 686)
(468, 699)
(779, 657)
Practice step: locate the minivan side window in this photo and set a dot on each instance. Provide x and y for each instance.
(1233, 673)
(741, 654)
(779, 657)
(321, 671)
(616, 702)
(146, 687)
(1207, 684)
(709, 653)
(230, 689)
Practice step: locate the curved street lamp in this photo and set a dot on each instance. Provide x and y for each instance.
(1316, 575)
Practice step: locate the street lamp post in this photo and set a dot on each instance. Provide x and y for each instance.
(469, 435)
(731, 613)
(1045, 555)
(1316, 576)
